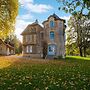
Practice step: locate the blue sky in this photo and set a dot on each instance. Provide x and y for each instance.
(30, 10)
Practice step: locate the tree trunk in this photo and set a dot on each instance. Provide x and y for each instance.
(80, 50)
(44, 50)
(84, 49)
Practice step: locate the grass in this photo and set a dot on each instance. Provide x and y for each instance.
(77, 58)
(26, 74)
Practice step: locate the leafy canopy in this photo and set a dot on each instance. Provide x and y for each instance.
(8, 13)
(73, 6)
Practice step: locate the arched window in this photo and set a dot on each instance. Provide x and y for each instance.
(51, 24)
(51, 35)
(51, 49)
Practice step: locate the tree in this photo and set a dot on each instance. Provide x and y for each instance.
(44, 46)
(71, 45)
(17, 45)
(79, 32)
(8, 13)
(72, 49)
(80, 10)
(71, 6)
(86, 35)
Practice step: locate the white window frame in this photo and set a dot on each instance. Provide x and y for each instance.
(30, 49)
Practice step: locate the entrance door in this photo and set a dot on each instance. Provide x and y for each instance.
(51, 50)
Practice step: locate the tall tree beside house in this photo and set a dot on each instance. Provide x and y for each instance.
(86, 36)
(79, 32)
(71, 48)
(80, 10)
(8, 13)
(45, 46)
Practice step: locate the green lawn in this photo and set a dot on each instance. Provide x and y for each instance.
(77, 58)
(73, 73)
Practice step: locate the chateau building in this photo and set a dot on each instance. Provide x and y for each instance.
(49, 39)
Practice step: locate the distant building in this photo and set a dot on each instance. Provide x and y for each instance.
(35, 37)
(6, 49)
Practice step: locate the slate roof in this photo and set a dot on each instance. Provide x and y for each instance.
(7, 44)
(55, 17)
(27, 29)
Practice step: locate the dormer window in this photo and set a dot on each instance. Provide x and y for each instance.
(52, 24)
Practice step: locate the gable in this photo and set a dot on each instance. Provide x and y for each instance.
(55, 17)
(31, 28)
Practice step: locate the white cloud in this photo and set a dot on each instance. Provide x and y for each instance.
(23, 2)
(66, 18)
(19, 27)
(30, 7)
(25, 16)
(37, 8)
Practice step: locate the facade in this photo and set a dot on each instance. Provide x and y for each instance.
(6, 49)
(32, 40)
(53, 34)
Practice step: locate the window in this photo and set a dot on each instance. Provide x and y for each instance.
(51, 24)
(27, 37)
(27, 49)
(34, 38)
(42, 35)
(30, 38)
(52, 49)
(51, 35)
(30, 49)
